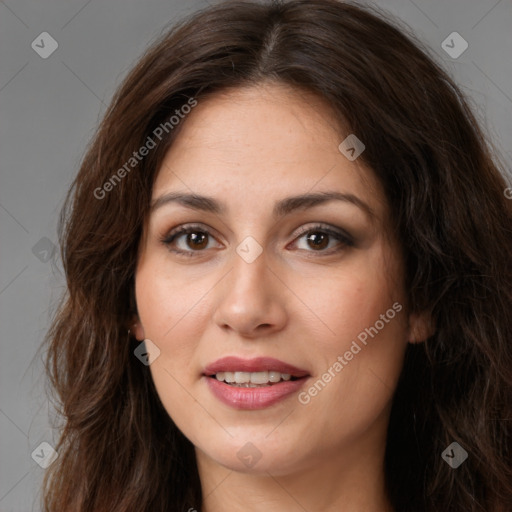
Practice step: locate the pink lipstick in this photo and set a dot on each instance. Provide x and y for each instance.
(253, 383)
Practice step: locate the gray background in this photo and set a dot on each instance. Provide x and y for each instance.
(49, 110)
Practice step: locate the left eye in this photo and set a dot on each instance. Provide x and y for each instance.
(316, 237)
(319, 237)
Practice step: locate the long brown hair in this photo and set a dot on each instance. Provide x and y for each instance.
(118, 449)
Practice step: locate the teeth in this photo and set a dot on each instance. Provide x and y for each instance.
(242, 377)
(274, 376)
(248, 378)
(259, 377)
(229, 376)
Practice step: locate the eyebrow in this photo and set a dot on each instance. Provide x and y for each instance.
(281, 208)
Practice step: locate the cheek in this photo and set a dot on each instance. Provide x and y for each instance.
(367, 333)
(170, 311)
(350, 301)
(359, 370)
(165, 298)
(169, 308)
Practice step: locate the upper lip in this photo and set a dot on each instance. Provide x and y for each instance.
(258, 364)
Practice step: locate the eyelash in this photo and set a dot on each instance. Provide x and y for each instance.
(344, 239)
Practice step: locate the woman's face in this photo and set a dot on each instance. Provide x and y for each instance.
(263, 275)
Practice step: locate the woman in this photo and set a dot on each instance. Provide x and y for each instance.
(288, 262)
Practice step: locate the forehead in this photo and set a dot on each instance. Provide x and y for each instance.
(266, 141)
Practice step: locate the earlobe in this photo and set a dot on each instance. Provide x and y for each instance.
(136, 328)
(420, 327)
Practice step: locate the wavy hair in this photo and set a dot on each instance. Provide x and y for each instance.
(118, 448)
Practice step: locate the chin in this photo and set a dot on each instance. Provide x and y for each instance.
(251, 452)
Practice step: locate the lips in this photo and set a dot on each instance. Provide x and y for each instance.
(258, 364)
(255, 396)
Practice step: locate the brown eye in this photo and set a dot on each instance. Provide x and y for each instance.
(190, 240)
(187, 240)
(318, 238)
(197, 241)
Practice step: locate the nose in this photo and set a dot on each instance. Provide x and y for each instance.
(250, 300)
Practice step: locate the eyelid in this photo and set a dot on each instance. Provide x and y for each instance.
(183, 229)
(326, 228)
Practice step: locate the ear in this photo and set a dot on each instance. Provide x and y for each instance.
(420, 327)
(136, 328)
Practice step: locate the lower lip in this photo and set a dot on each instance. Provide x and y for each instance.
(253, 398)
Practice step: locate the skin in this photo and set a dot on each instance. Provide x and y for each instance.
(250, 148)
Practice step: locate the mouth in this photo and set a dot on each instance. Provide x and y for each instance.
(259, 379)
(259, 371)
(252, 384)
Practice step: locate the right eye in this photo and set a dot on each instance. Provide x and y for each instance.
(186, 240)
